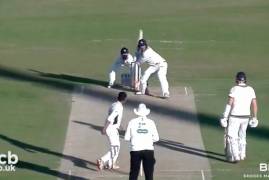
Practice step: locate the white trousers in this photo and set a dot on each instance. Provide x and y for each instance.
(112, 77)
(111, 156)
(236, 138)
(161, 72)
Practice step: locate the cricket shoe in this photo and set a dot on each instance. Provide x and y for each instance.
(147, 92)
(100, 164)
(233, 160)
(138, 93)
(237, 159)
(166, 95)
(242, 157)
(230, 158)
(115, 166)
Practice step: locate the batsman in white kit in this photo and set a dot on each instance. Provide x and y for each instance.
(124, 60)
(240, 111)
(156, 64)
(110, 128)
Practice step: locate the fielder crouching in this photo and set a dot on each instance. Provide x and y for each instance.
(240, 111)
(124, 60)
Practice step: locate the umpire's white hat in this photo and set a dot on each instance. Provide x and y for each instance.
(142, 110)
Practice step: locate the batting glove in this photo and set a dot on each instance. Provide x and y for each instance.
(253, 122)
(224, 122)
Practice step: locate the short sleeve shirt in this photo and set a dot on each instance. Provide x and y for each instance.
(115, 114)
(243, 96)
(150, 56)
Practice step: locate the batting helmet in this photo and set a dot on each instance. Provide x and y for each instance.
(141, 43)
(241, 76)
(124, 50)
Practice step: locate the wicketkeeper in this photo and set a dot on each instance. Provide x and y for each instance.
(124, 60)
(156, 64)
(240, 111)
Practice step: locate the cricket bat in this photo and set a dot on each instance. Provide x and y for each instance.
(140, 36)
(136, 69)
(136, 76)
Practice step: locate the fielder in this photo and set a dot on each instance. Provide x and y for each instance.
(125, 59)
(240, 111)
(156, 64)
(110, 128)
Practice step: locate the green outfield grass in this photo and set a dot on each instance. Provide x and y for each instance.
(49, 46)
(33, 126)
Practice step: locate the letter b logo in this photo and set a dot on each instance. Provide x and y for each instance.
(263, 167)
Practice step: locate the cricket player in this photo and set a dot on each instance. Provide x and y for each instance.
(240, 111)
(124, 60)
(110, 128)
(156, 64)
(142, 133)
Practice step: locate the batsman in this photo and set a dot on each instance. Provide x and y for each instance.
(156, 64)
(240, 111)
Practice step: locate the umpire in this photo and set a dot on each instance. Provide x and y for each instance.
(142, 133)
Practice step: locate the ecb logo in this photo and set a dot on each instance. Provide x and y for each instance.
(8, 161)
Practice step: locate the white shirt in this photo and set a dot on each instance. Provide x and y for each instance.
(150, 56)
(120, 62)
(142, 133)
(243, 96)
(115, 115)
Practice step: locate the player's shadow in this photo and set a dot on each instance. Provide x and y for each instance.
(92, 126)
(77, 79)
(72, 78)
(98, 128)
(172, 145)
(14, 74)
(262, 132)
(45, 170)
(82, 163)
(176, 146)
